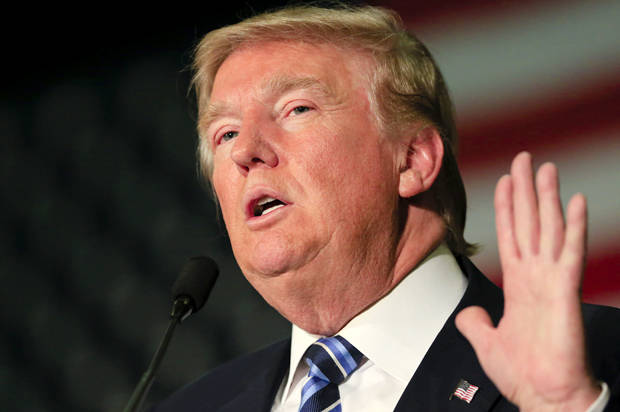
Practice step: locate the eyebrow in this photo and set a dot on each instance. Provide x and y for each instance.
(275, 86)
(281, 84)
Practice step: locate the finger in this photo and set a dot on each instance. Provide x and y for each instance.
(525, 204)
(575, 243)
(551, 217)
(504, 220)
(476, 325)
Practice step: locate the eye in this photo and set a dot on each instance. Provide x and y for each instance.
(301, 109)
(224, 137)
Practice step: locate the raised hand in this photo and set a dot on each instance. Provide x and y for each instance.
(536, 354)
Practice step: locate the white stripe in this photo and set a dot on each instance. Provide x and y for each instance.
(344, 373)
(332, 406)
(499, 62)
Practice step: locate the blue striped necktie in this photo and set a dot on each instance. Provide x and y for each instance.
(331, 361)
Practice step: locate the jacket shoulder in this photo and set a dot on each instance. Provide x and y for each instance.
(219, 386)
(602, 329)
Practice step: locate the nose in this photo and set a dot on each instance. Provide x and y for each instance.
(253, 148)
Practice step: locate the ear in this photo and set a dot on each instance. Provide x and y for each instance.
(423, 162)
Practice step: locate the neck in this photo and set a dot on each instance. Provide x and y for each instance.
(354, 285)
(359, 281)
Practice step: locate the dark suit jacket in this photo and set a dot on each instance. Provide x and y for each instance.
(250, 383)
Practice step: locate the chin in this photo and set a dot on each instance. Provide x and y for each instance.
(270, 259)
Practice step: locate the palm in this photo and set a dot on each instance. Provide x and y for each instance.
(536, 355)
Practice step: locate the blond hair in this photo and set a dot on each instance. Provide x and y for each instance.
(407, 85)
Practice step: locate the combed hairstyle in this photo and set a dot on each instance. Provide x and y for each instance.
(406, 88)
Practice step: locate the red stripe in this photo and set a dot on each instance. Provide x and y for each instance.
(417, 13)
(567, 121)
(602, 275)
(464, 395)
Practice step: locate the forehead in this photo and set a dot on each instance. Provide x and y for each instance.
(278, 66)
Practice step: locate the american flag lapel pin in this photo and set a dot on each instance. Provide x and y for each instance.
(464, 391)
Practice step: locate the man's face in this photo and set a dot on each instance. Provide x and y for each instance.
(306, 182)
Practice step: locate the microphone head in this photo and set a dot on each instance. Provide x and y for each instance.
(196, 281)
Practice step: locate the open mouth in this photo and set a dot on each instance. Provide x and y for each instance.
(266, 205)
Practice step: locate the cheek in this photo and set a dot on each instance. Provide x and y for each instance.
(349, 186)
(225, 194)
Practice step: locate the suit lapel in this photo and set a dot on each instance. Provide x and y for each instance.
(263, 385)
(451, 358)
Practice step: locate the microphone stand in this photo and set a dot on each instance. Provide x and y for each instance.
(181, 309)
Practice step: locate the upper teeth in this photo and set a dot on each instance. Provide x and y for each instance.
(265, 200)
(262, 206)
(265, 205)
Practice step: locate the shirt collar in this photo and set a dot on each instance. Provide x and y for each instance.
(396, 332)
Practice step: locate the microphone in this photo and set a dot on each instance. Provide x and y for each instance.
(193, 286)
(189, 293)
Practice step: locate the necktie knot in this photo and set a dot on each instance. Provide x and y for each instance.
(331, 361)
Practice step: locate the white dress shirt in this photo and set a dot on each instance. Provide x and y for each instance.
(394, 335)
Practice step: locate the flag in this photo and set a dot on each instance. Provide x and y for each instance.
(541, 76)
(465, 391)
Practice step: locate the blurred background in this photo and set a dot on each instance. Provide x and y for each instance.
(101, 204)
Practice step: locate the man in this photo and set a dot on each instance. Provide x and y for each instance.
(329, 141)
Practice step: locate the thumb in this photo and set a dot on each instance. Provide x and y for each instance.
(476, 325)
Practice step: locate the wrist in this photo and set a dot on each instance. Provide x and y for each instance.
(579, 400)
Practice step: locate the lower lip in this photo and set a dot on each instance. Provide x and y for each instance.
(260, 222)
